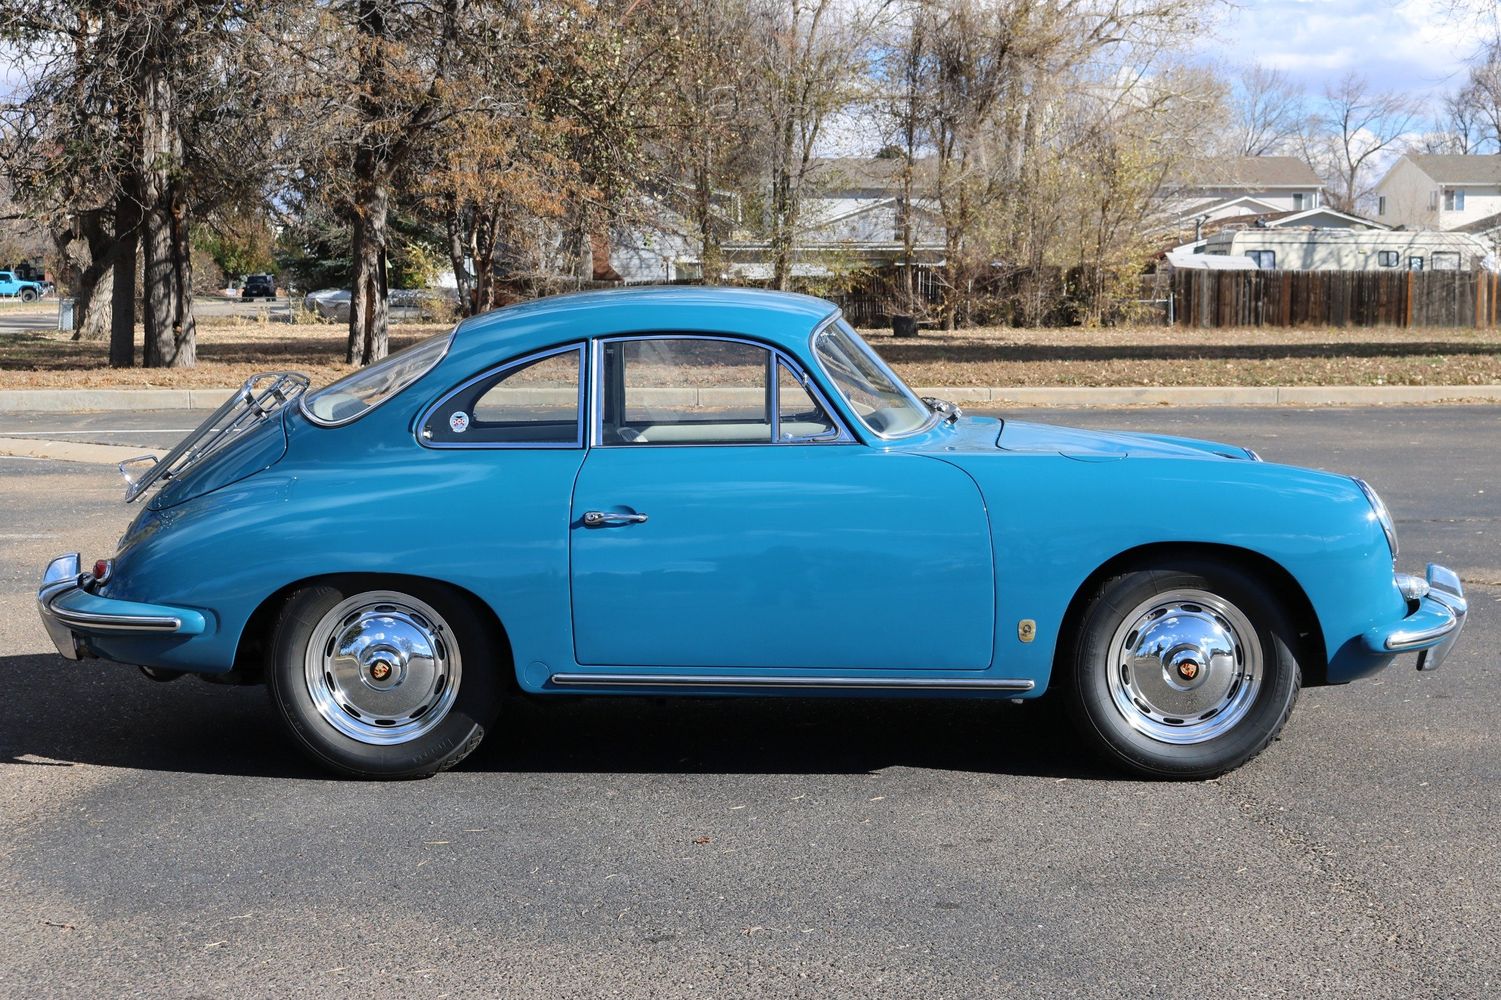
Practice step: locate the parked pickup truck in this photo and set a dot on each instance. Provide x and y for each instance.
(12, 287)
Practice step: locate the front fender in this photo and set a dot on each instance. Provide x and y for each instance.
(1056, 522)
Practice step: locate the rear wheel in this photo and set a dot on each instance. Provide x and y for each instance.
(1183, 671)
(384, 683)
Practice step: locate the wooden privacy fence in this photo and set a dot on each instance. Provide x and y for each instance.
(1336, 298)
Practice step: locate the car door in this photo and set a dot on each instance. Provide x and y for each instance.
(724, 519)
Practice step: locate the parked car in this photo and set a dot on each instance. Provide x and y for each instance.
(328, 303)
(710, 491)
(259, 286)
(333, 303)
(13, 287)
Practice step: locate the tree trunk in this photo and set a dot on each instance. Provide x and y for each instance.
(90, 283)
(455, 220)
(184, 326)
(122, 320)
(91, 305)
(484, 243)
(369, 301)
(169, 319)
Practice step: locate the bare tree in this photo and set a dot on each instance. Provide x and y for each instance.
(812, 54)
(1352, 128)
(1268, 112)
(903, 104)
(713, 140)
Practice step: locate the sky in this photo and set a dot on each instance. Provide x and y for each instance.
(1403, 45)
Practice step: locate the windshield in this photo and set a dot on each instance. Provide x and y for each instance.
(359, 392)
(880, 399)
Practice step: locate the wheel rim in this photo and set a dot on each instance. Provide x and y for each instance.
(382, 668)
(1186, 667)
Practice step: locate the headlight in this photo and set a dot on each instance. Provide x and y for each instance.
(1382, 514)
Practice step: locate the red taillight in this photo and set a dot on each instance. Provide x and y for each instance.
(102, 570)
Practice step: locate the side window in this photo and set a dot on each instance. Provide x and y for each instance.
(1414, 263)
(800, 417)
(1265, 259)
(682, 390)
(531, 403)
(1445, 260)
(1388, 258)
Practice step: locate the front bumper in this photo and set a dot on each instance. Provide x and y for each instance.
(1432, 630)
(73, 613)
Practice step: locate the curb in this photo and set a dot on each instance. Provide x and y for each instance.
(75, 400)
(71, 451)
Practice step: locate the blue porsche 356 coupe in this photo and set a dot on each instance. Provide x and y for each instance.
(712, 491)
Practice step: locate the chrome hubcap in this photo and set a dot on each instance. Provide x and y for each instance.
(1186, 667)
(382, 668)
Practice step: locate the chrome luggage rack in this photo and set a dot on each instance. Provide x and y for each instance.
(260, 396)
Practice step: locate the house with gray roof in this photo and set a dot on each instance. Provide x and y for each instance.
(1440, 191)
(1209, 190)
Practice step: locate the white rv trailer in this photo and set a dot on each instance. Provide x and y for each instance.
(1351, 250)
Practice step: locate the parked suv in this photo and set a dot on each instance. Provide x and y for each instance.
(259, 286)
(20, 288)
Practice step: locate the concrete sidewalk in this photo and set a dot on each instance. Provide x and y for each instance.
(79, 400)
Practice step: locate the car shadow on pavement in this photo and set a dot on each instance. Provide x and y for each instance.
(58, 713)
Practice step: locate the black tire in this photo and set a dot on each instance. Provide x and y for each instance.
(28, 295)
(1112, 709)
(475, 698)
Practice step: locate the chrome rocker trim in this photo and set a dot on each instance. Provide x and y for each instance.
(845, 683)
(64, 577)
(1432, 630)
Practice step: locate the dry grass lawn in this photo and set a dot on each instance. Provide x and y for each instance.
(229, 351)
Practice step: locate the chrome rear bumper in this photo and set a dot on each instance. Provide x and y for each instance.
(71, 612)
(1432, 630)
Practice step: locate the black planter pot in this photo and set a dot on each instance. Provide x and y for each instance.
(904, 326)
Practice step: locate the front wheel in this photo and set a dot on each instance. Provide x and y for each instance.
(390, 683)
(1183, 671)
(28, 295)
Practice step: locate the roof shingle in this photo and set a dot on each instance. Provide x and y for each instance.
(1459, 168)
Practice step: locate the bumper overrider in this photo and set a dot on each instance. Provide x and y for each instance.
(1433, 628)
(74, 614)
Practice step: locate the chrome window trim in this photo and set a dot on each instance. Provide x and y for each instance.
(318, 421)
(896, 380)
(776, 356)
(578, 436)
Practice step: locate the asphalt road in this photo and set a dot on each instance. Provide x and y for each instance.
(165, 840)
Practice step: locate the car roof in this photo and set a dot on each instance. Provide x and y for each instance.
(781, 318)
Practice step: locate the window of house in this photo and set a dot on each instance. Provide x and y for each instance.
(1414, 263)
(1433, 199)
(532, 403)
(1298, 201)
(1381, 205)
(1454, 200)
(1265, 259)
(1388, 258)
(1445, 260)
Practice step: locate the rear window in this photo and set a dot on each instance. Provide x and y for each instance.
(358, 393)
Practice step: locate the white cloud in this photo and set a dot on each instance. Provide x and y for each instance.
(1406, 45)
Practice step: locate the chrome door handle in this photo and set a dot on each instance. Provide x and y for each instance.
(603, 518)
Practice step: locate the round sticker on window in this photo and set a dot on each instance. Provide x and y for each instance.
(458, 422)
